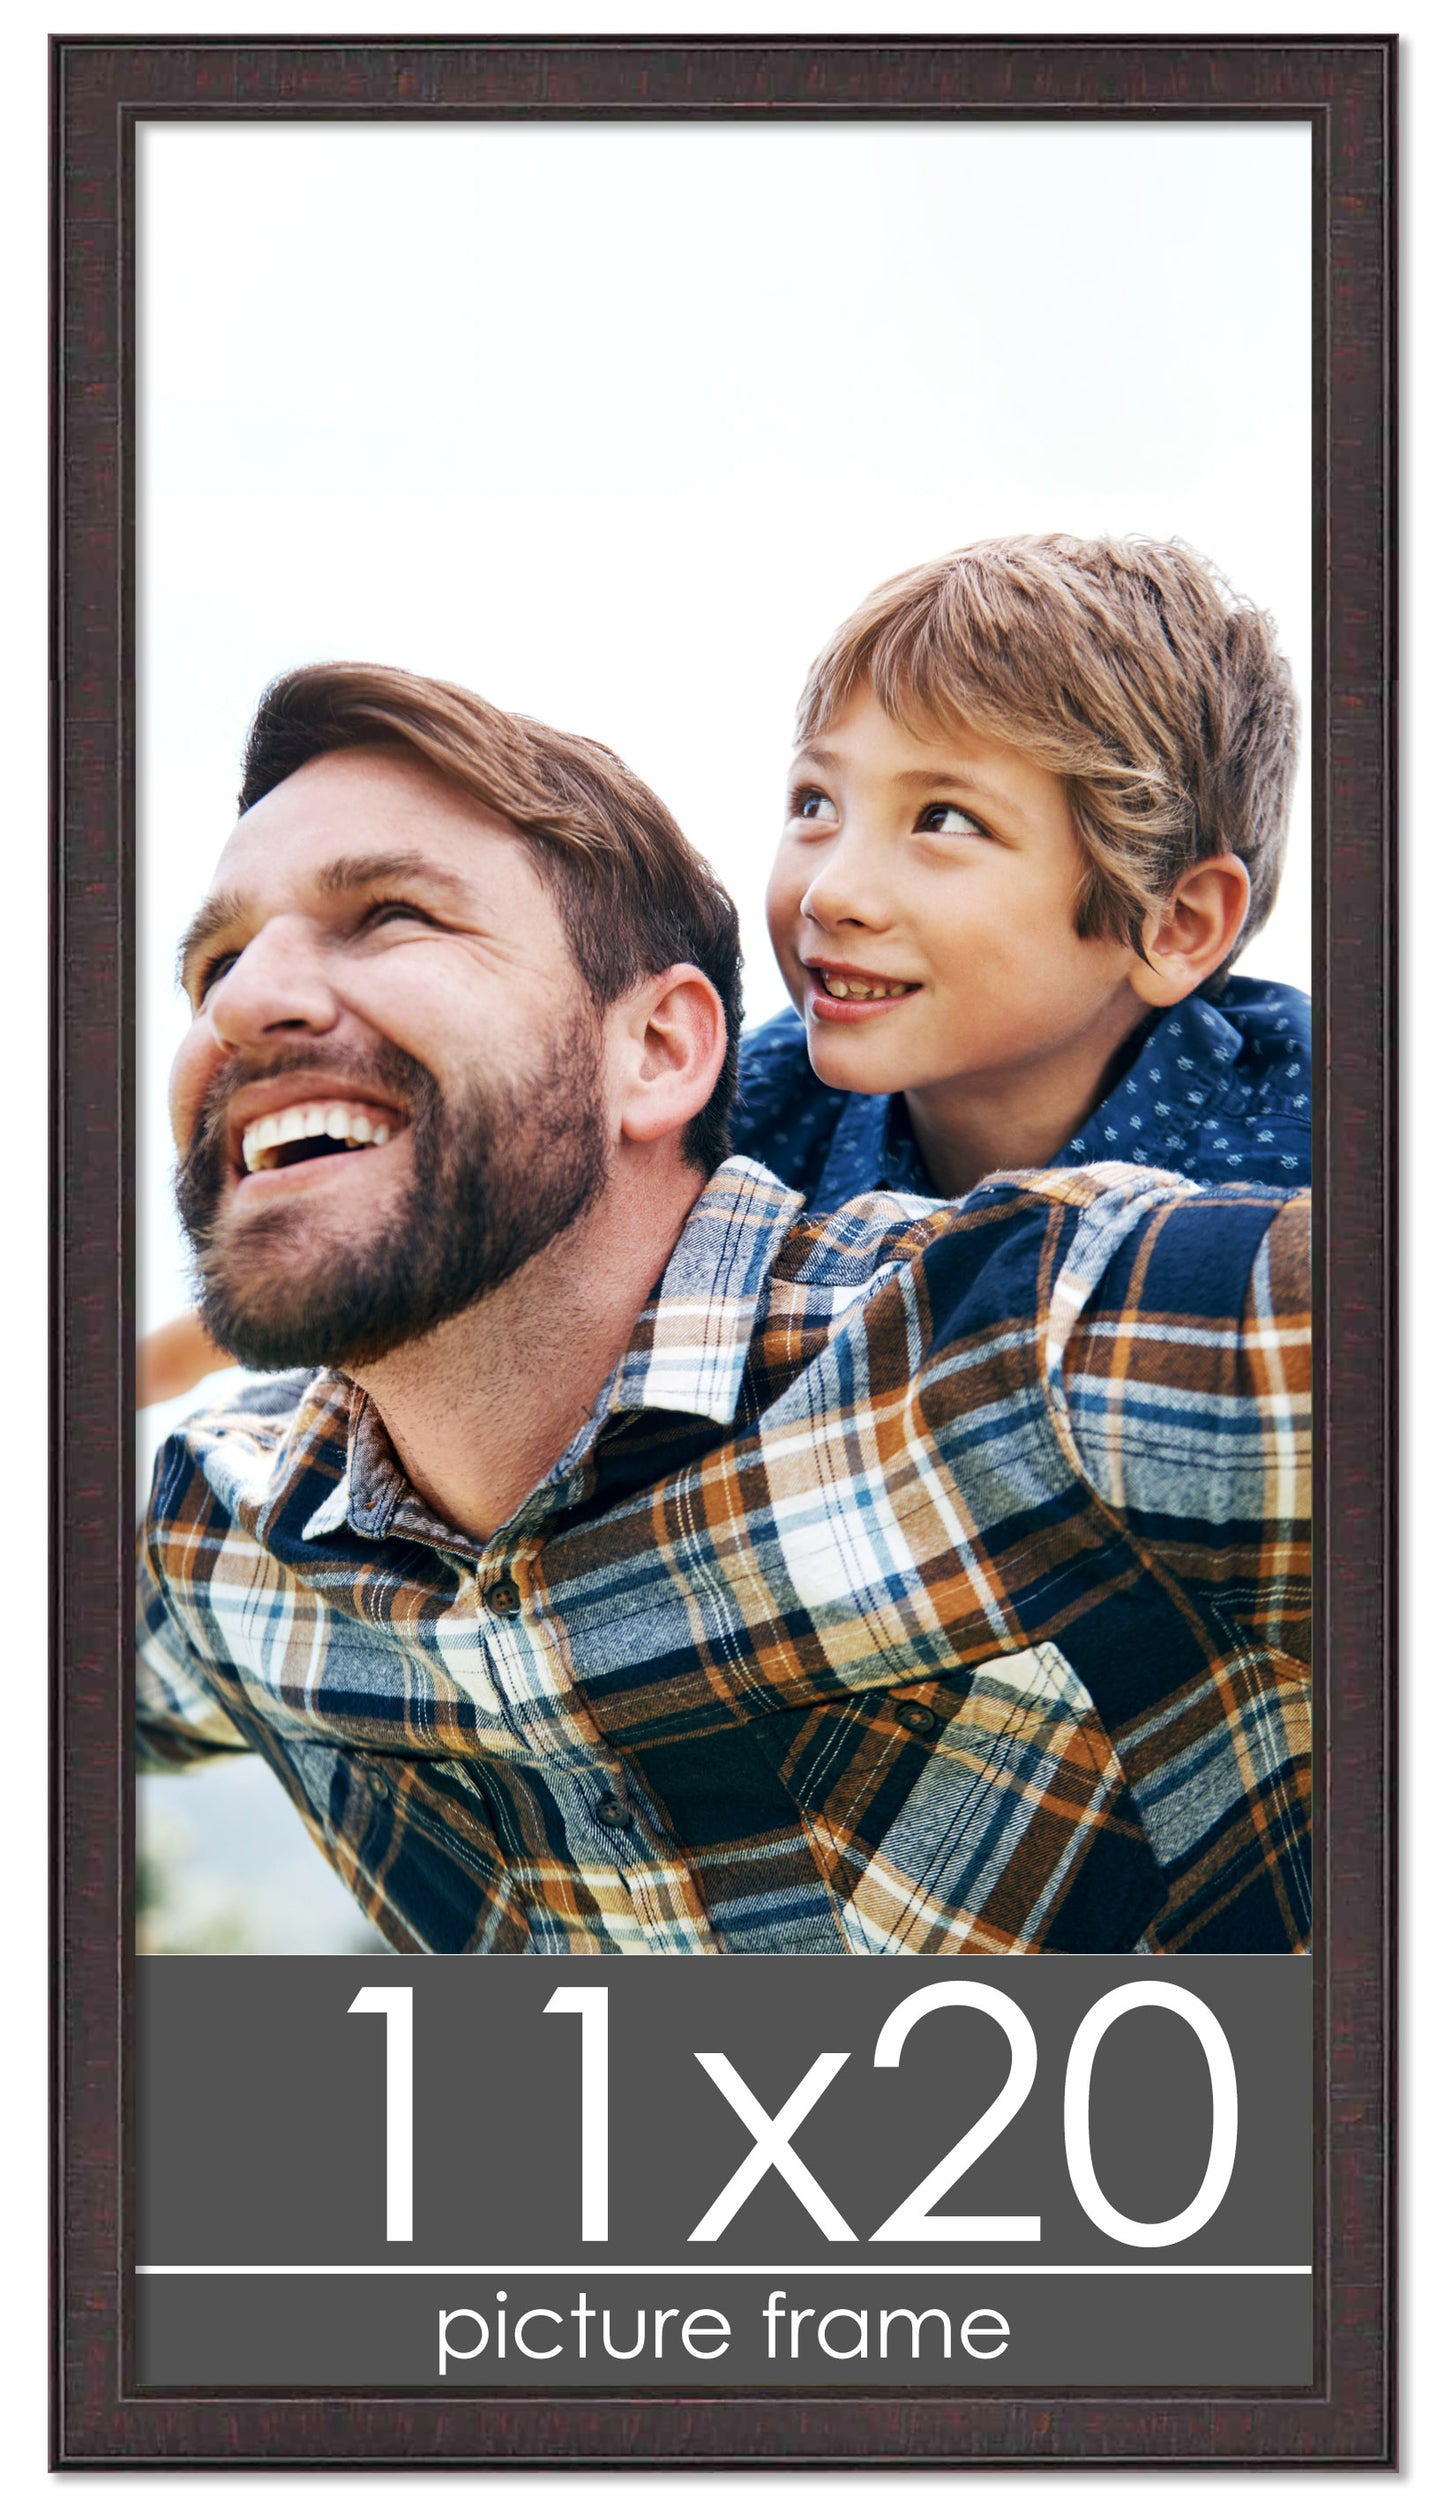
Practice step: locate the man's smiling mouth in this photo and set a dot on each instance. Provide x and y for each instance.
(323, 1126)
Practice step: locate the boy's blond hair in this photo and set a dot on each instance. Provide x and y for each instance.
(1129, 668)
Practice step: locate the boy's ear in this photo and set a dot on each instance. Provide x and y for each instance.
(1187, 937)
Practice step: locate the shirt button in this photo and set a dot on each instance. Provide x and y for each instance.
(505, 1598)
(918, 1717)
(376, 1783)
(614, 1812)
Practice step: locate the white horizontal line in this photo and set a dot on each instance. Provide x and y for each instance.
(723, 2269)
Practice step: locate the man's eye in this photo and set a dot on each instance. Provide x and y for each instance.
(393, 908)
(813, 805)
(944, 817)
(209, 975)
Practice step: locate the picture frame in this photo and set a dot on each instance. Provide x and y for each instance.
(102, 91)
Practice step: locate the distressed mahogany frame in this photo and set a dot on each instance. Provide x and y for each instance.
(1346, 91)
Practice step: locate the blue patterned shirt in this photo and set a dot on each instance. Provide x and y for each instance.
(1218, 1090)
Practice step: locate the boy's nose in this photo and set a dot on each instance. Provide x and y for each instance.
(847, 890)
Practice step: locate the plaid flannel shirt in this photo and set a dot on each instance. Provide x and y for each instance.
(928, 1577)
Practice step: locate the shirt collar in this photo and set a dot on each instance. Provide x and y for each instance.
(1187, 1051)
(688, 1352)
(861, 1156)
(370, 1485)
(1197, 1027)
(900, 1166)
(690, 1347)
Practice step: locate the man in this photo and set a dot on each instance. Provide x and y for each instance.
(642, 1565)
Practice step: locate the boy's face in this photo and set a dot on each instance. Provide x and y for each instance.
(937, 872)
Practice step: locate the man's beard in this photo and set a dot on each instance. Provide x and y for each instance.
(498, 1172)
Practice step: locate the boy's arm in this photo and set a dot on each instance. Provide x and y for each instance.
(171, 1359)
(1185, 1383)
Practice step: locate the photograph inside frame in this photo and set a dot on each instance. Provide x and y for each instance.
(724, 950)
(719, 734)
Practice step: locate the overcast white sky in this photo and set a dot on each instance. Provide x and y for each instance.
(616, 423)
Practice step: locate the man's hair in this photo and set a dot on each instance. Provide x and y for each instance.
(1129, 668)
(633, 895)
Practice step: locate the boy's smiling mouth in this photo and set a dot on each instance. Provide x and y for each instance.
(843, 994)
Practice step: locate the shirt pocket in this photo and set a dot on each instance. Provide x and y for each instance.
(983, 1811)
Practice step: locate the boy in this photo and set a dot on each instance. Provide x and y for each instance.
(1038, 805)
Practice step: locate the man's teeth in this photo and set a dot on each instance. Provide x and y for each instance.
(838, 989)
(262, 1141)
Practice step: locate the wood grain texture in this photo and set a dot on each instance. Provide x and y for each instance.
(100, 89)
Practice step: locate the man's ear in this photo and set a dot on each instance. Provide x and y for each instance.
(672, 1045)
(1185, 938)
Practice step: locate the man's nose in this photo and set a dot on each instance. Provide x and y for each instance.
(849, 885)
(277, 984)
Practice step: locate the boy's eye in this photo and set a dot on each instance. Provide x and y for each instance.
(815, 806)
(945, 817)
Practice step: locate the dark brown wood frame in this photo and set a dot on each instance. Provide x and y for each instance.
(1346, 91)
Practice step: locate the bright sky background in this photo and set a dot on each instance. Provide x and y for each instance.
(616, 423)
